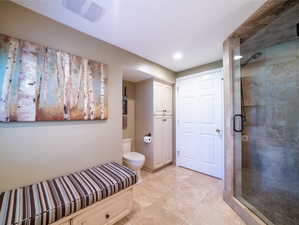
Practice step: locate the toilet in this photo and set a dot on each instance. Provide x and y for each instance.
(133, 160)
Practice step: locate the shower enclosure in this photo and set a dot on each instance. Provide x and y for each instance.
(265, 119)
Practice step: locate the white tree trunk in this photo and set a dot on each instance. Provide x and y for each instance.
(102, 94)
(9, 70)
(67, 89)
(91, 96)
(45, 80)
(79, 85)
(85, 89)
(60, 76)
(26, 110)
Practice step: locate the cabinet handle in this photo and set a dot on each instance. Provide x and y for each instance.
(107, 216)
(164, 110)
(164, 120)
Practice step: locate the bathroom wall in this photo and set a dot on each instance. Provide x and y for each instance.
(270, 153)
(129, 132)
(30, 152)
(201, 68)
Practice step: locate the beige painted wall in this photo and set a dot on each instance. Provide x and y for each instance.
(202, 68)
(129, 132)
(30, 152)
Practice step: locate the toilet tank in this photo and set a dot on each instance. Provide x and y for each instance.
(127, 143)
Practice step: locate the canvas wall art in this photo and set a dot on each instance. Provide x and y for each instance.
(38, 83)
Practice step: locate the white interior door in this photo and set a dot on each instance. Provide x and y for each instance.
(200, 123)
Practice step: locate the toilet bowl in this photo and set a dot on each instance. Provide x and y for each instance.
(133, 160)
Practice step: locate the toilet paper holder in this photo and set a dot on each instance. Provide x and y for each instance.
(147, 139)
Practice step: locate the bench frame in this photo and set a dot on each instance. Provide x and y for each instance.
(99, 210)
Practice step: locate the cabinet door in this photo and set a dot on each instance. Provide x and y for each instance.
(67, 222)
(167, 100)
(108, 212)
(94, 216)
(162, 99)
(159, 158)
(167, 140)
(158, 98)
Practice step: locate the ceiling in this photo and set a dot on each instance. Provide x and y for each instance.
(155, 29)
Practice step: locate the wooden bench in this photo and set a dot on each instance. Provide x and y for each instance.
(95, 196)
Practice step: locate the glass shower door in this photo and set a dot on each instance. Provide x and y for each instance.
(266, 122)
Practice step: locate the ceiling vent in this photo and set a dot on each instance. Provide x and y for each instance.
(85, 8)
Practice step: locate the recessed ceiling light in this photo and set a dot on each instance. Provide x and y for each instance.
(177, 56)
(237, 57)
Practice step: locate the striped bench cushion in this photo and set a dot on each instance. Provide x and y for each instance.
(48, 201)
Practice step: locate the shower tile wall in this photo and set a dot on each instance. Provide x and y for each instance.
(270, 156)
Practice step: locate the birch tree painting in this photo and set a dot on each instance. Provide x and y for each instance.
(38, 83)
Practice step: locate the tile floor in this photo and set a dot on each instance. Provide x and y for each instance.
(178, 196)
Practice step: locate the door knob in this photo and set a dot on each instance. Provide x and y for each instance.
(218, 130)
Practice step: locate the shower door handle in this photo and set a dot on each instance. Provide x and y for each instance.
(234, 123)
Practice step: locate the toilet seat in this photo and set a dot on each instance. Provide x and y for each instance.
(134, 157)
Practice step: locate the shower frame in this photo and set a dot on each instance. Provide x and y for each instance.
(270, 9)
(229, 188)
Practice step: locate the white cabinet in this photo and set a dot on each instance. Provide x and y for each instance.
(154, 115)
(162, 98)
(167, 138)
(62, 222)
(158, 101)
(94, 216)
(107, 213)
(158, 136)
(162, 149)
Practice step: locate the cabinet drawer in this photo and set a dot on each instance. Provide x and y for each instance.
(64, 222)
(119, 208)
(95, 216)
(107, 212)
